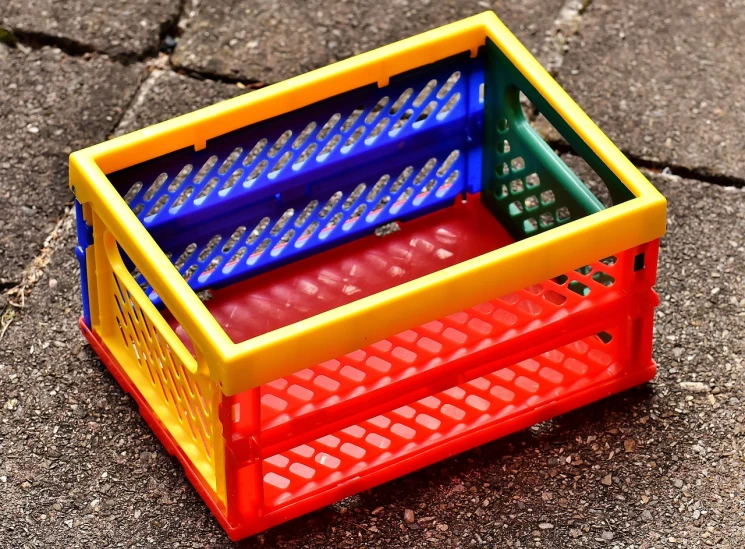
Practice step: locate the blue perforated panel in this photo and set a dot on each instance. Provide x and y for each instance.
(313, 178)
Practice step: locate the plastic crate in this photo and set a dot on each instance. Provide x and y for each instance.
(399, 269)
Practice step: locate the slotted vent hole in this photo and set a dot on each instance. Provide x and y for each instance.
(333, 142)
(305, 214)
(260, 249)
(190, 272)
(531, 203)
(375, 191)
(358, 211)
(402, 99)
(532, 180)
(155, 187)
(379, 106)
(401, 122)
(381, 203)
(546, 220)
(449, 106)
(305, 155)
(185, 255)
(257, 171)
(234, 238)
(284, 138)
(255, 152)
(281, 163)
(212, 266)
(230, 160)
(205, 169)
(333, 222)
(548, 198)
(517, 186)
(425, 171)
(132, 192)
(352, 198)
(445, 89)
(426, 91)
(516, 208)
(301, 138)
(518, 164)
(282, 221)
(404, 197)
(207, 250)
(286, 237)
(328, 126)
(449, 161)
(578, 288)
(403, 178)
(162, 202)
(349, 122)
(330, 204)
(207, 189)
(234, 177)
(452, 178)
(260, 227)
(237, 256)
(377, 130)
(562, 214)
(307, 233)
(429, 109)
(180, 178)
(603, 278)
(353, 139)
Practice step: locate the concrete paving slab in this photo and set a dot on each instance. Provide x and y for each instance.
(658, 466)
(124, 29)
(166, 94)
(269, 41)
(664, 80)
(50, 105)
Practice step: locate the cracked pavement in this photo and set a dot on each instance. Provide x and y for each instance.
(660, 466)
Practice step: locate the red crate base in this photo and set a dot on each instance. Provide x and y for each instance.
(402, 464)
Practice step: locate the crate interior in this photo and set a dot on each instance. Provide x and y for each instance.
(316, 178)
(345, 198)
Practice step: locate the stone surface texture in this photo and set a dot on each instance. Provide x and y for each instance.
(50, 105)
(269, 41)
(127, 29)
(664, 79)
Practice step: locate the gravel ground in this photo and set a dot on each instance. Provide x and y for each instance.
(660, 466)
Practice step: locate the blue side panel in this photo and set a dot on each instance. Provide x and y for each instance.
(281, 189)
(85, 239)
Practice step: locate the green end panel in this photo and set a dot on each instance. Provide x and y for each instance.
(524, 183)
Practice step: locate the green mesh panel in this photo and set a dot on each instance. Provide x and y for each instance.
(525, 184)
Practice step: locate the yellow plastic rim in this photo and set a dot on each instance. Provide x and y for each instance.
(242, 366)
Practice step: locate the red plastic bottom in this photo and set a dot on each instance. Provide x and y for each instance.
(390, 463)
(347, 273)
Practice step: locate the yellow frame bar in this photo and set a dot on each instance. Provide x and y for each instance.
(242, 366)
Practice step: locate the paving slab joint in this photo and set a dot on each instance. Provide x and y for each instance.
(653, 166)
